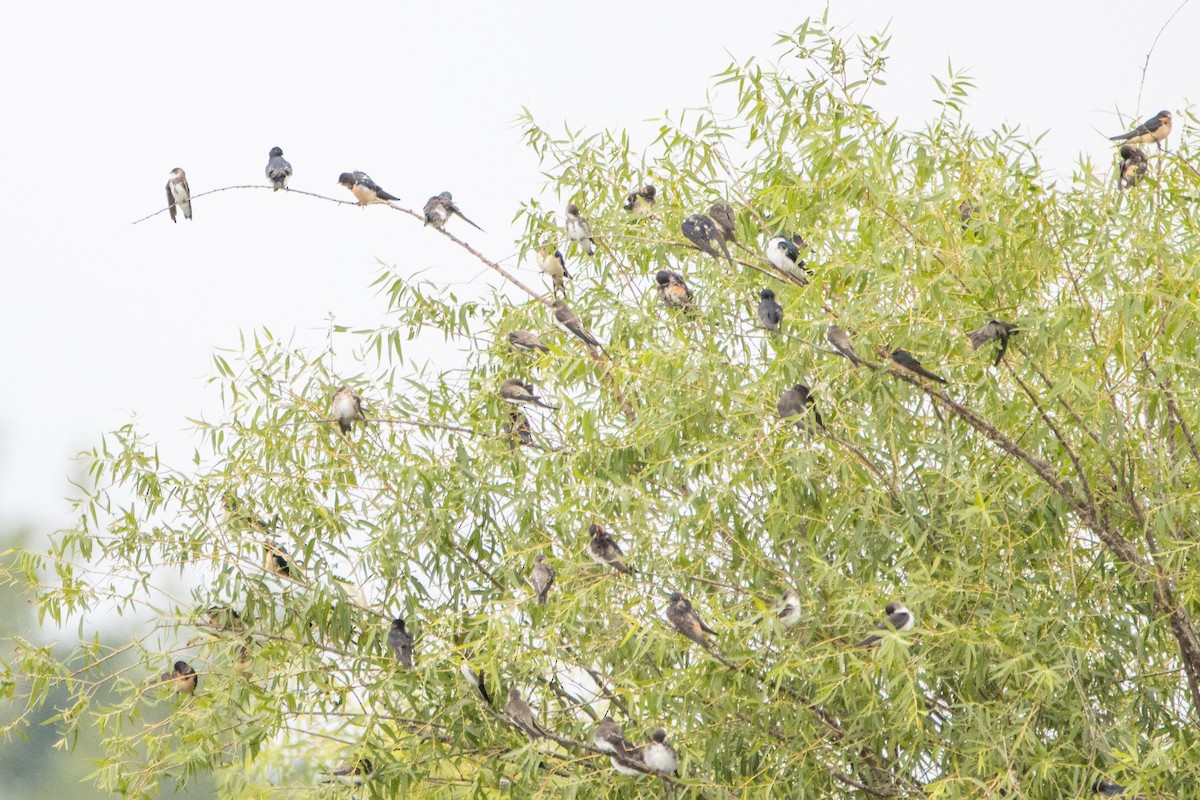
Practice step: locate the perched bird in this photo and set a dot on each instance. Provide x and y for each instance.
(898, 618)
(770, 313)
(841, 342)
(605, 551)
(524, 340)
(178, 194)
(440, 208)
(567, 320)
(1133, 167)
(702, 231)
(611, 739)
(789, 613)
(795, 402)
(522, 715)
(784, 255)
(910, 363)
(1156, 129)
(721, 213)
(1107, 788)
(182, 677)
(517, 428)
(552, 264)
(277, 560)
(541, 578)
(278, 170)
(224, 618)
(966, 213)
(512, 390)
(659, 755)
(401, 643)
(994, 329)
(473, 678)
(673, 289)
(357, 772)
(578, 230)
(364, 189)
(347, 407)
(641, 199)
(685, 620)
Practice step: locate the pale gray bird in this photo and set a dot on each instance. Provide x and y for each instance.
(994, 329)
(673, 289)
(840, 341)
(659, 754)
(440, 208)
(541, 578)
(1133, 167)
(524, 340)
(553, 264)
(770, 313)
(721, 213)
(178, 194)
(1156, 129)
(578, 230)
(522, 715)
(512, 390)
(604, 550)
(567, 320)
(347, 407)
(795, 402)
(898, 618)
(401, 643)
(278, 169)
(702, 232)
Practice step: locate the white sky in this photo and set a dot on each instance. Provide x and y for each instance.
(102, 320)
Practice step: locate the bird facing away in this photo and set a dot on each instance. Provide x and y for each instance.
(910, 363)
(566, 320)
(721, 213)
(522, 715)
(685, 620)
(770, 313)
(347, 407)
(440, 208)
(473, 678)
(182, 678)
(605, 551)
(365, 190)
(1108, 788)
(841, 342)
(524, 340)
(178, 194)
(1156, 129)
(641, 200)
(784, 255)
(517, 428)
(673, 289)
(277, 559)
(553, 264)
(578, 230)
(278, 169)
(659, 754)
(898, 618)
(512, 390)
(795, 402)
(994, 329)
(702, 232)
(401, 643)
(1133, 166)
(541, 578)
(356, 772)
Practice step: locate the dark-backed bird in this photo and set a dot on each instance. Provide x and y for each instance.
(1108, 788)
(178, 194)
(795, 402)
(702, 232)
(659, 754)
(364, 189)
(686, 621)
(604, 550)
(1156, 129)
(440, 208)
(840, 340)
(517, 428)
(611, 739)
(552, 263)
(578, 230)
(277, 559)
(401, 643)
(784, 255)
(673, 289)
(278, 169)
(899, 618)
(521, 715)
(513, 390)
(770, 313)
(473, 678)
(721, 213)
(641, 199)
(994, 329)
(355, 772)
(789, 612)
(541, 578)
(1133, 167)
(910, 363)
(182, 678)
(566, 320)
(346, 408)
(524, 340)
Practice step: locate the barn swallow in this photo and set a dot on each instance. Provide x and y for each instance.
(277, 559)
(611, 739)
(517, 428)
(524, 340)
(513, 390)
(841, 342)
(401, 643)
(278, 170)
(1107, 788)
(473, 678)
(1156, 129)
(578, 230)
(685, 620)
(522, 715)
(770, 313)
(440, 208)
(541, 578)
(553, 264)
(673, 289)
(364, 189)
(910, 363)
(702, 231)
(347, 407)
(994, 329)
(179, 194)
(784, 254)
(641, 199)
(604, 550)
(182, 677)
(659, 754)
(795, 402)
(567, 320)
(356, 772)
(898, 618)
(1133, 167)
(721, 213)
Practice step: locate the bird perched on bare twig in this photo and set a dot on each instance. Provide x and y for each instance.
(1156, 129)
(521, 715)
(365, 190)
(440, 208)
(994, 329)
(178, 194)
(278, 169)
(909, 362)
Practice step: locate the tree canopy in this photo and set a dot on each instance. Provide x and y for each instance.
(1037, 513)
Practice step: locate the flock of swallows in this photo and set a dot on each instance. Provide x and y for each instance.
(709, 233)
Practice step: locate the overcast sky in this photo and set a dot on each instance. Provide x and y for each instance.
(103, 322)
